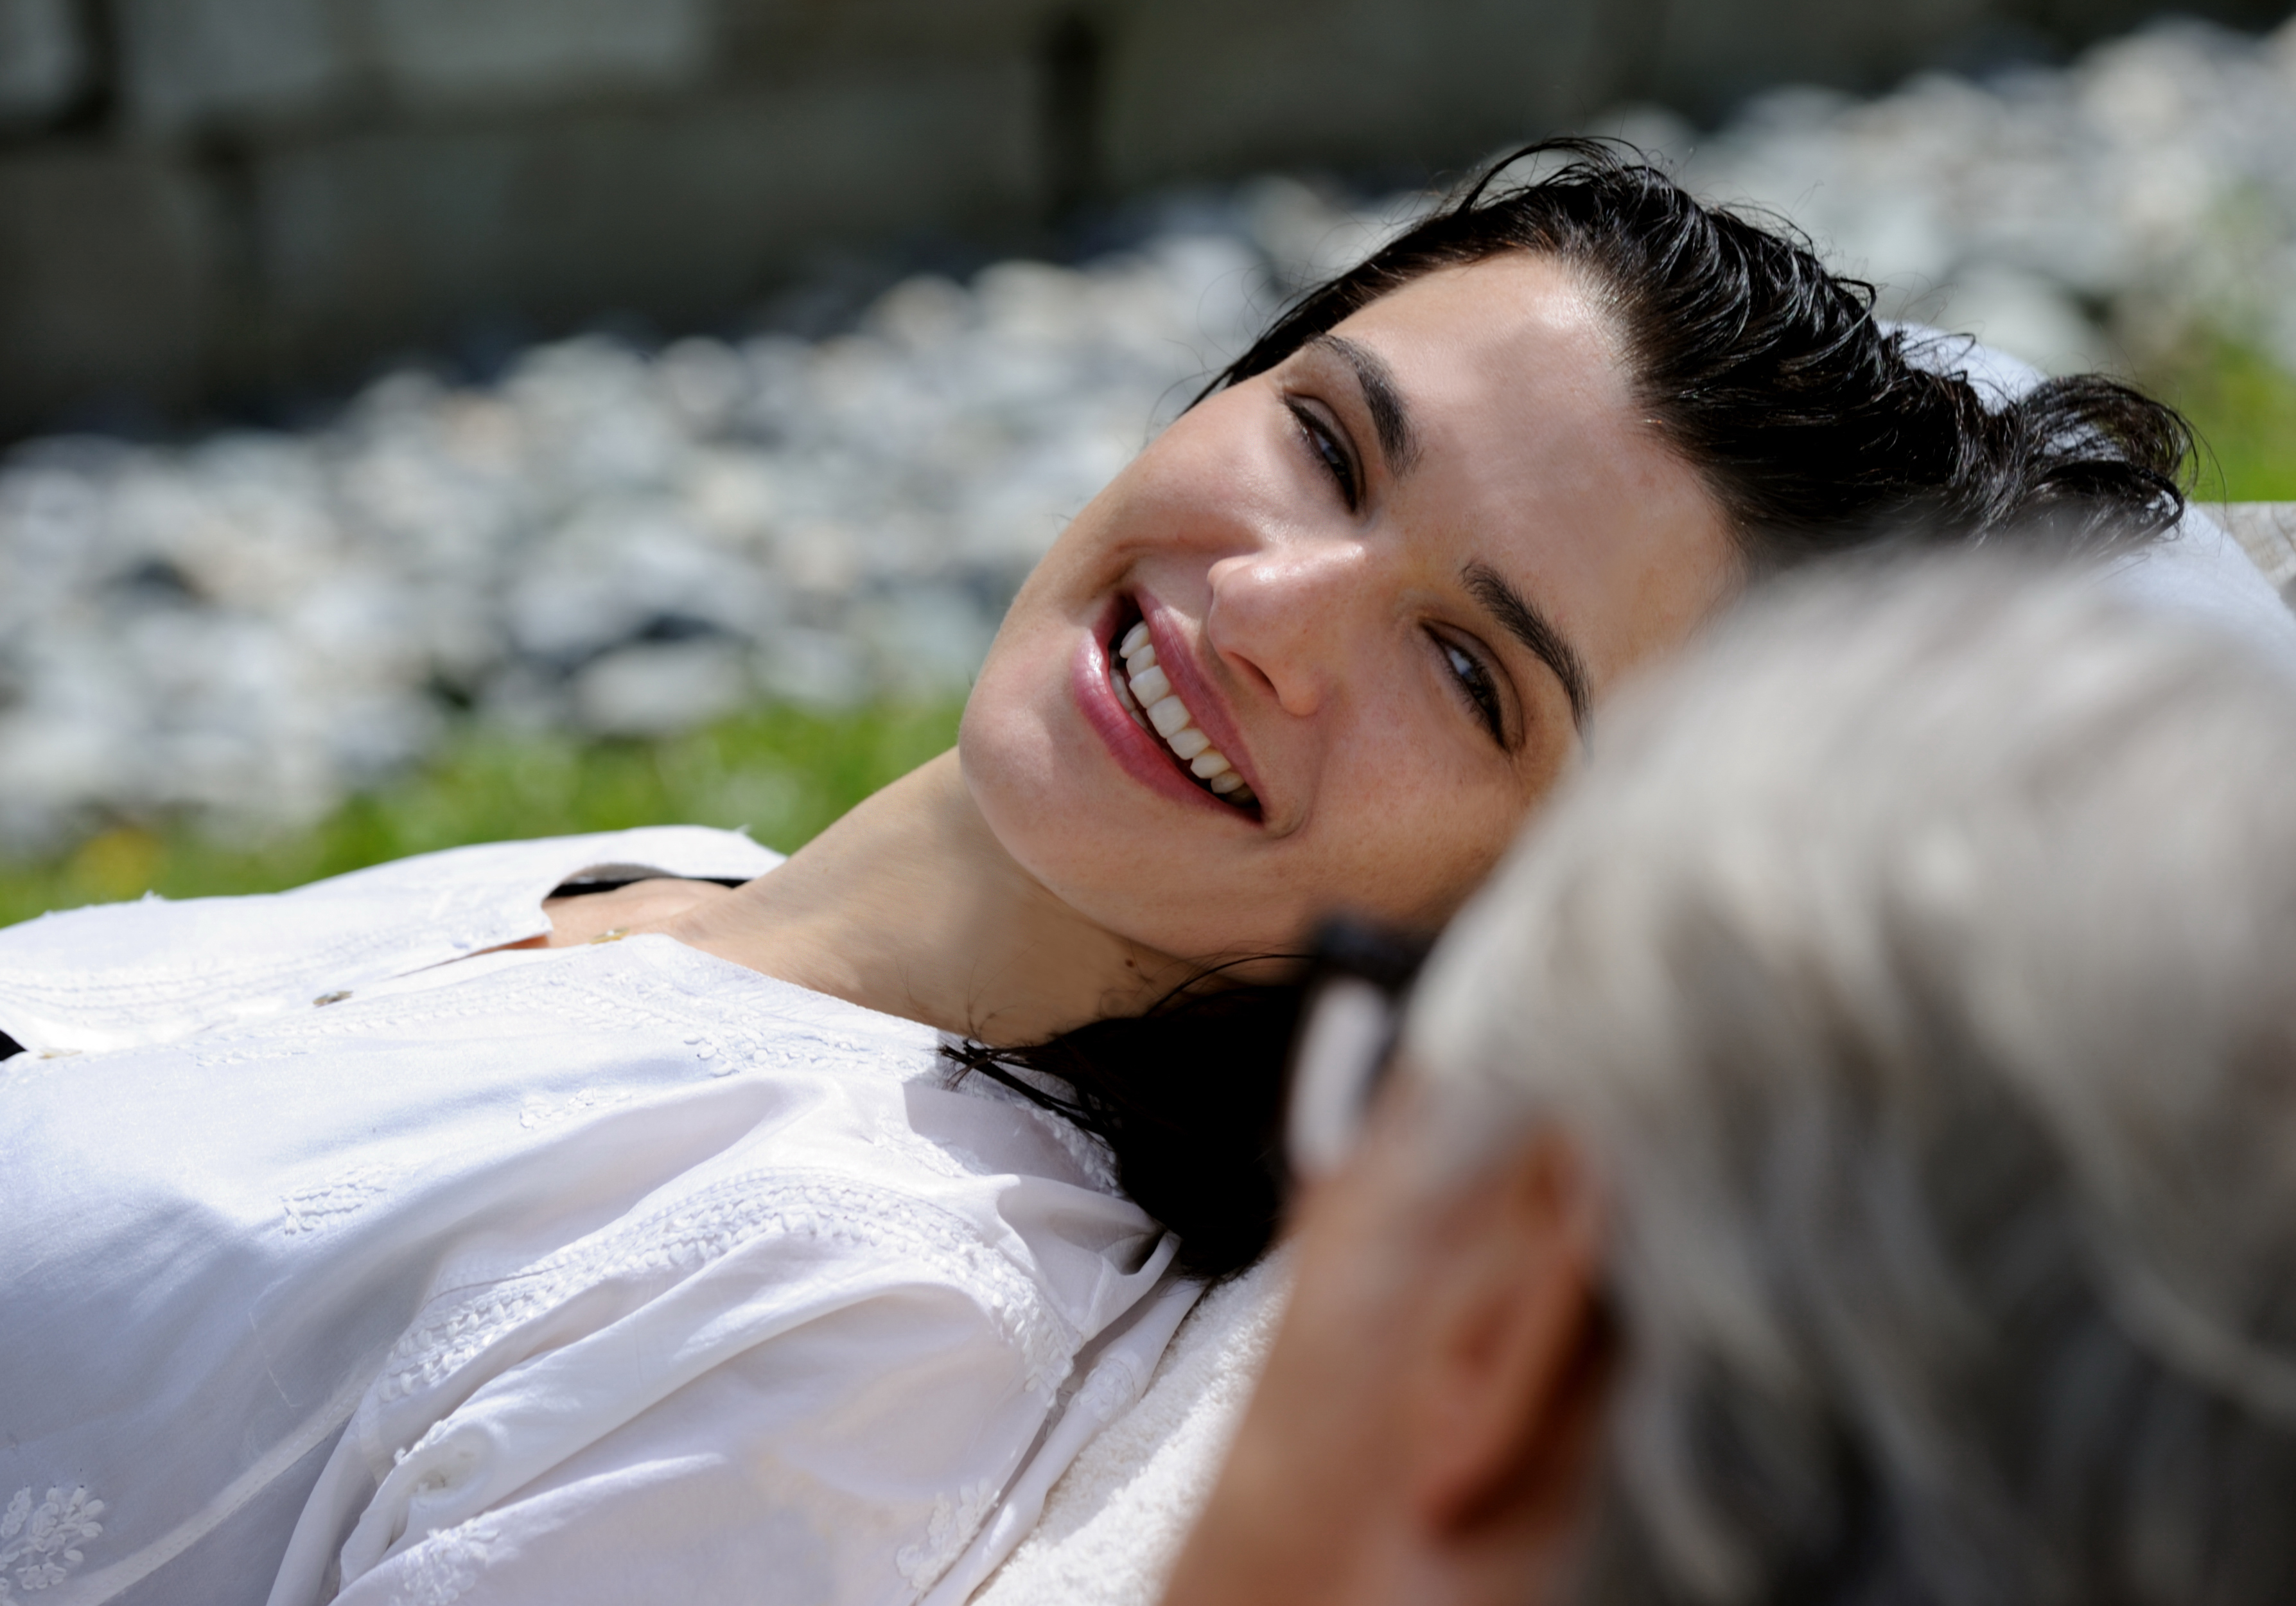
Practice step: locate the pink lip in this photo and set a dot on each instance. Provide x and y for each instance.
(1142, 756)
(1206, 707)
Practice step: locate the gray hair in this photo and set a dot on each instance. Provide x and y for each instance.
(1916, 967)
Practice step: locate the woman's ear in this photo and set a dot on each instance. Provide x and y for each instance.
(1512, 1375)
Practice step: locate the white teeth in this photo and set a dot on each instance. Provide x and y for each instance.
(1150, 685)
(1167, 715)
(1149, 691)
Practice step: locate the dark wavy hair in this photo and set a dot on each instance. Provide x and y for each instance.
(1816, 432)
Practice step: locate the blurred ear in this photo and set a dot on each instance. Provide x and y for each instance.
(1512, 1380)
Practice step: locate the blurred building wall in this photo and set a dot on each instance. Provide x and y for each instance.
(205, 198)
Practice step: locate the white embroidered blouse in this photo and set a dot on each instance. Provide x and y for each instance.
(331, 1269)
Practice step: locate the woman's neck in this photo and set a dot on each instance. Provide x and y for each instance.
(910, 905)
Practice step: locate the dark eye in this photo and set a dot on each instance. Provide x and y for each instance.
(1477, 685)
(1326, 446)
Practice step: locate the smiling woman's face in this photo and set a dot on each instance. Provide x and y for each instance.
(1382, 581)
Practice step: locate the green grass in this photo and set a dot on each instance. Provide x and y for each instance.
(2243, 407)
(783, 772)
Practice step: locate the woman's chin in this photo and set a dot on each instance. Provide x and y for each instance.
(1090, 836)
(1021, 768)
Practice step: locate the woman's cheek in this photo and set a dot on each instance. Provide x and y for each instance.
(1418, 864)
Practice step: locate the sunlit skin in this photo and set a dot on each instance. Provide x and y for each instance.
(1429, 1425)
(1333, 600)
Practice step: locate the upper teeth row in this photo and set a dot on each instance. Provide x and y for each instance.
(1153, 692)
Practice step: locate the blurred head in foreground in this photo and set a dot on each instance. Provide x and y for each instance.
(1848, 1154)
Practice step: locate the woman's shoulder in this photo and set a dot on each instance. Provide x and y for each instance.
(156, 969)
(542, 863)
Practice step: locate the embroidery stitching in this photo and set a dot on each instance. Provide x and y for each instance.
(683, 1238)
(538, 1111)
(442, 1568)
(1114, 1384)
(942, 1160)
(308, 1209)
(39, 1546)
(948, 1531)
(1093, 1156)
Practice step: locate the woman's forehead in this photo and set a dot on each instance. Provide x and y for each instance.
(1495, 313)
(1510, 375)
(1536, 454)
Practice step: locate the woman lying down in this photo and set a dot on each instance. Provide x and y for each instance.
(762, 1231)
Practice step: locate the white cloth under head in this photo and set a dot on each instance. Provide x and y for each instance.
(2198, 569)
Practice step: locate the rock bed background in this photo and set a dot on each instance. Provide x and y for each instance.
(245, 630)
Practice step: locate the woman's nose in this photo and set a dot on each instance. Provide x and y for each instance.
(1284, 613)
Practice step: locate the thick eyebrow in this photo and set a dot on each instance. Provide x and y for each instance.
(1535, 632)
(1391, 415)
